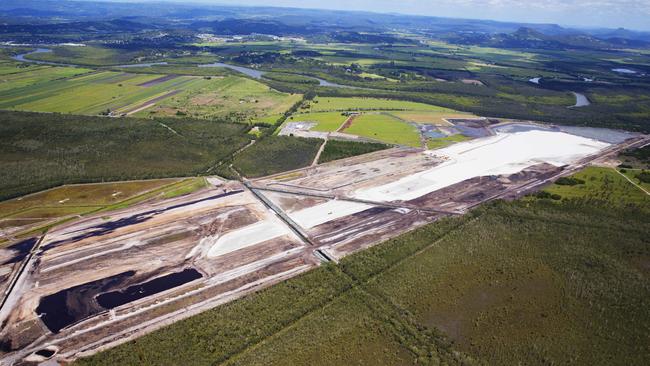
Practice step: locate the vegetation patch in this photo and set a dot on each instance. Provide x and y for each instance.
(643, 177)
(637, 158)
(336, 149)
(569, 181)
(36, 212)
(40, 151)
(290, 78)
(439, 143)
(275, 154)
(533, 284)
(99, 194)
(599, 184)
(494, 286)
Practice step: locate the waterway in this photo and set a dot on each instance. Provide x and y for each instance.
(254, 73)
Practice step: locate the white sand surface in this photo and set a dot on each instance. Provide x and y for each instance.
(326, 212)
(245, 237)
(506, 153)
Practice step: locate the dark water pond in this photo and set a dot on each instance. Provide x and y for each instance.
(47, 353)
(114, 299)
(76, 303)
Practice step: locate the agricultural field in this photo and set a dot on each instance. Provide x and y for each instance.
(436, 118)
(454, 291)
(325, 121)
(174, 69)
(602, 184)
(82, 91)
(17, 75)
(234, 98)
(323, 104)
(385, 128)
(40, 151)
(96, 93)
(384, 120)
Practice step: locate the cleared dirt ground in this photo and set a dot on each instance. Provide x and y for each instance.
(108, 278)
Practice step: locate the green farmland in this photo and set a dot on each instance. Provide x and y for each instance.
(241, 99)
(82, 91)
(385, 128)
(91, 56)
(385, 120)
(432, 117)
(325, 121)
(14, 75)
(93, 93)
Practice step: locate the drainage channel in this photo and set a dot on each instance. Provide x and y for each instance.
(283, 216)
(324, 256)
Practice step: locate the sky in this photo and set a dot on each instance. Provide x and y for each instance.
(631, 14)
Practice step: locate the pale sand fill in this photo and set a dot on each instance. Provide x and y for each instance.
(326, 212)
(245, 237)
(504, 154)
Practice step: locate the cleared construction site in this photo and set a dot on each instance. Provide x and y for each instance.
(110, 277)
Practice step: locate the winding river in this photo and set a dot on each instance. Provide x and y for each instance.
(256, 74)
(22, 58)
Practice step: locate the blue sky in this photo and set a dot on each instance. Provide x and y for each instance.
(631, 14)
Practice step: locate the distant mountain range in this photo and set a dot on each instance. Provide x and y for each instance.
(31, 18)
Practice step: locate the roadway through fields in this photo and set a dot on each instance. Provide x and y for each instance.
(322, 147)
(630, 180)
